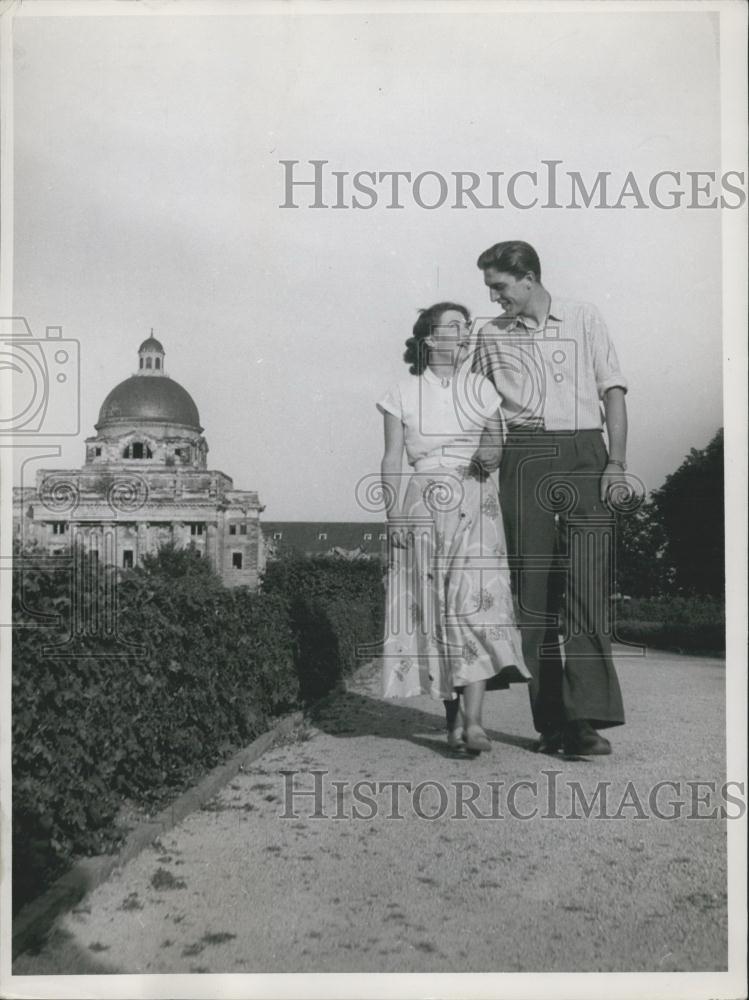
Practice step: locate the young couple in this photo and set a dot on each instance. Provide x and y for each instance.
(530, 396)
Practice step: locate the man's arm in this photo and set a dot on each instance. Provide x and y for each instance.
(488, 455)
(481, 358)
(612, 388)
(615, 407)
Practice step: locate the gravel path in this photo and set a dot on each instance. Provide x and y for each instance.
(240, 887)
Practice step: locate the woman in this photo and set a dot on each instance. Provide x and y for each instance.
(450, 626)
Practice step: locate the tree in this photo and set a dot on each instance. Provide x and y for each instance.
(641, 568)
(688, 510)
(174, 563)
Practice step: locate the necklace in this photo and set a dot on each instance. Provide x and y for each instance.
(444, 380)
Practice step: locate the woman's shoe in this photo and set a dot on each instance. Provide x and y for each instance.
(475, 739)
(455, 738)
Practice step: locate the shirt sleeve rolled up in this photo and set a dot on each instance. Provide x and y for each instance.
(608, 374)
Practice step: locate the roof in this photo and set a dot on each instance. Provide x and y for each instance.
(304, 536)
(151, 344)
(160, 400)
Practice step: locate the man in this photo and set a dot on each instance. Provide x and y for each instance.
(556, 370)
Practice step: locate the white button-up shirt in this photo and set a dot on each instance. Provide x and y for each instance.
(554, 376)
(442, 421)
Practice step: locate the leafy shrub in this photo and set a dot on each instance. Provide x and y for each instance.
(90, 727)
(96, 721)
(697, 610)
(683, 624)
(336, 609)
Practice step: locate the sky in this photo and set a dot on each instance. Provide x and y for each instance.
(147, 194)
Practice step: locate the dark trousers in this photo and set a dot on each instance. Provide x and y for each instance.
(560, 540)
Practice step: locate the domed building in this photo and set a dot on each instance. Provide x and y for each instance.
(146, 483)
(148, 418)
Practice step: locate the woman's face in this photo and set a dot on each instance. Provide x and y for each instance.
(451, 334)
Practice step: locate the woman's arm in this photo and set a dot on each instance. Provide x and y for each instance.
(391, 467)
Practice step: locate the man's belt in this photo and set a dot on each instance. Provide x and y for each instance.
(528, 425)
(537, 426)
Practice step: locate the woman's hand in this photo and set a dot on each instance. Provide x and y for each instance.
(399, 535)
(488, 455)
(478, 469)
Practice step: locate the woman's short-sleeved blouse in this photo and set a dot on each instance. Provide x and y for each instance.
(442, 422)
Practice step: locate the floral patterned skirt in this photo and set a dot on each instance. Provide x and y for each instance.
(449, 612)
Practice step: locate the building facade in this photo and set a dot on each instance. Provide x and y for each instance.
(146, 483)
(342, 539)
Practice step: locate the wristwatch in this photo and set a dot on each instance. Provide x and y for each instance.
(615, 461)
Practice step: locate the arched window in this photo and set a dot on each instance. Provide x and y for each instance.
(157, 363)
(148, 362)
(141, 362)
(137, 450)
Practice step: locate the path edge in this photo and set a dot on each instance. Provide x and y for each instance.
(34, 921)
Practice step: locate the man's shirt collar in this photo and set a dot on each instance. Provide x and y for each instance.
(554, 314)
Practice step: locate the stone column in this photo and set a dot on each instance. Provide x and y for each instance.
(141, 540)
(212, 552)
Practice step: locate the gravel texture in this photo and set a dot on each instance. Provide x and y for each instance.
(239, 886)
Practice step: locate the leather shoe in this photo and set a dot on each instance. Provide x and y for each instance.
(550, 741)
(581, 740)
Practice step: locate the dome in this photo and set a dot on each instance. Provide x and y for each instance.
(151, 344)
(140, 399)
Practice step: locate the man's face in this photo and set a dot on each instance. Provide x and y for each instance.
(512, 293)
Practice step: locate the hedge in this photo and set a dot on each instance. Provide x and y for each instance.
(337, 611)
(104, 726)
(681, 624)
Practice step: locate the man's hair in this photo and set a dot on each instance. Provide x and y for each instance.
(415, 354)
(513, 257)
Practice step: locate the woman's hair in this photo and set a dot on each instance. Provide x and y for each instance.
(513, 257)
(416, 351)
